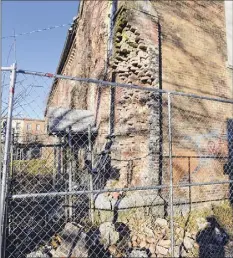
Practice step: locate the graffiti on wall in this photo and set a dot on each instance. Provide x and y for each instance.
(207, 147)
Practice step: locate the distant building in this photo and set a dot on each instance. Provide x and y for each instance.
(27, 135)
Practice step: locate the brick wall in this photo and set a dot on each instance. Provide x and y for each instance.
(194, 61)
(135, 61)
(190, 38)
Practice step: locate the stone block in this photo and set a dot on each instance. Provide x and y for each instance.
(188, 243)
(122, 69)
(120, 58)
(144, 79)
(160, 250)
(165, 243)
(108, 234)
(133, 44)
(132, 68)
(161, 222)
(142, 54)
(142, 46)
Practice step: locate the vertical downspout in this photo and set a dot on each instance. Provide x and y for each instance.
(161, 119)
(91, 215)
(109, 53)
(112, 106)
(110, 49)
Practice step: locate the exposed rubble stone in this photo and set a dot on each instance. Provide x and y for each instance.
(38, 254)
(161, 222)
(164, 243)
(137, 253)
(188, 242)
(161, 250)
(109, 235)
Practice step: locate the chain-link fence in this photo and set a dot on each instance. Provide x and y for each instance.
(101, 169)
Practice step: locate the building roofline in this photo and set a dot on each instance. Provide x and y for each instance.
(66, 50)
(28, 119)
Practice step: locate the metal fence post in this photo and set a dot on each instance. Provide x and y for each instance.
(170, 173)
(6, 157)
(70, 176)
(90, 176)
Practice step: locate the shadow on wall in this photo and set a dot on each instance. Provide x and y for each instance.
(103, 169)
(105, 172)
(206, 23)
(212, 239)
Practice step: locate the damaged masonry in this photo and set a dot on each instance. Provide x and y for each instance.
(132, 156)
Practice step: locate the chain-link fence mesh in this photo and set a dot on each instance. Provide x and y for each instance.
(202, 140)
(116, 172)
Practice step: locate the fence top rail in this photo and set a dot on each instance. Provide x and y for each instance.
(122, 85)
(102, 191)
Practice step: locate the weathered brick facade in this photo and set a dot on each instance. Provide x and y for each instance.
(194, 60)
(171, 45)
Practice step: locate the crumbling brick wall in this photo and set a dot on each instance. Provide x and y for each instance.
(135, 60)
(172, 45)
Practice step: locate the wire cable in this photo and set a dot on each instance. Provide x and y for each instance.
(36, 31)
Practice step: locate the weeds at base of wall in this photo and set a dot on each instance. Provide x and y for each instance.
(32, 167)
(222, 212)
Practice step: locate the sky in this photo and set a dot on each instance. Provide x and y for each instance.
(36, 52)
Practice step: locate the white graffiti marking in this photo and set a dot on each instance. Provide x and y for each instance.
(208, 144)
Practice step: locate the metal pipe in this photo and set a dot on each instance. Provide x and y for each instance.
(123, 85)
(196, 157)
(54, 166)
(90, 175)
(111, 26)
(69, 166)
(171, 174)
(51, 194)
(142, 188)
(59, 167)
(112, 110)
(6, 68)
(109, 54)
(5, 171)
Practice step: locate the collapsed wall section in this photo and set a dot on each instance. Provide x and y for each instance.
(136, 149)
(136, 61)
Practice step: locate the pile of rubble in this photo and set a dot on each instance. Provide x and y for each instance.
(111, 240)
(118, 240)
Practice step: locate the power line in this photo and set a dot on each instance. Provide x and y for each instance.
(15, 46)
(36, 31)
